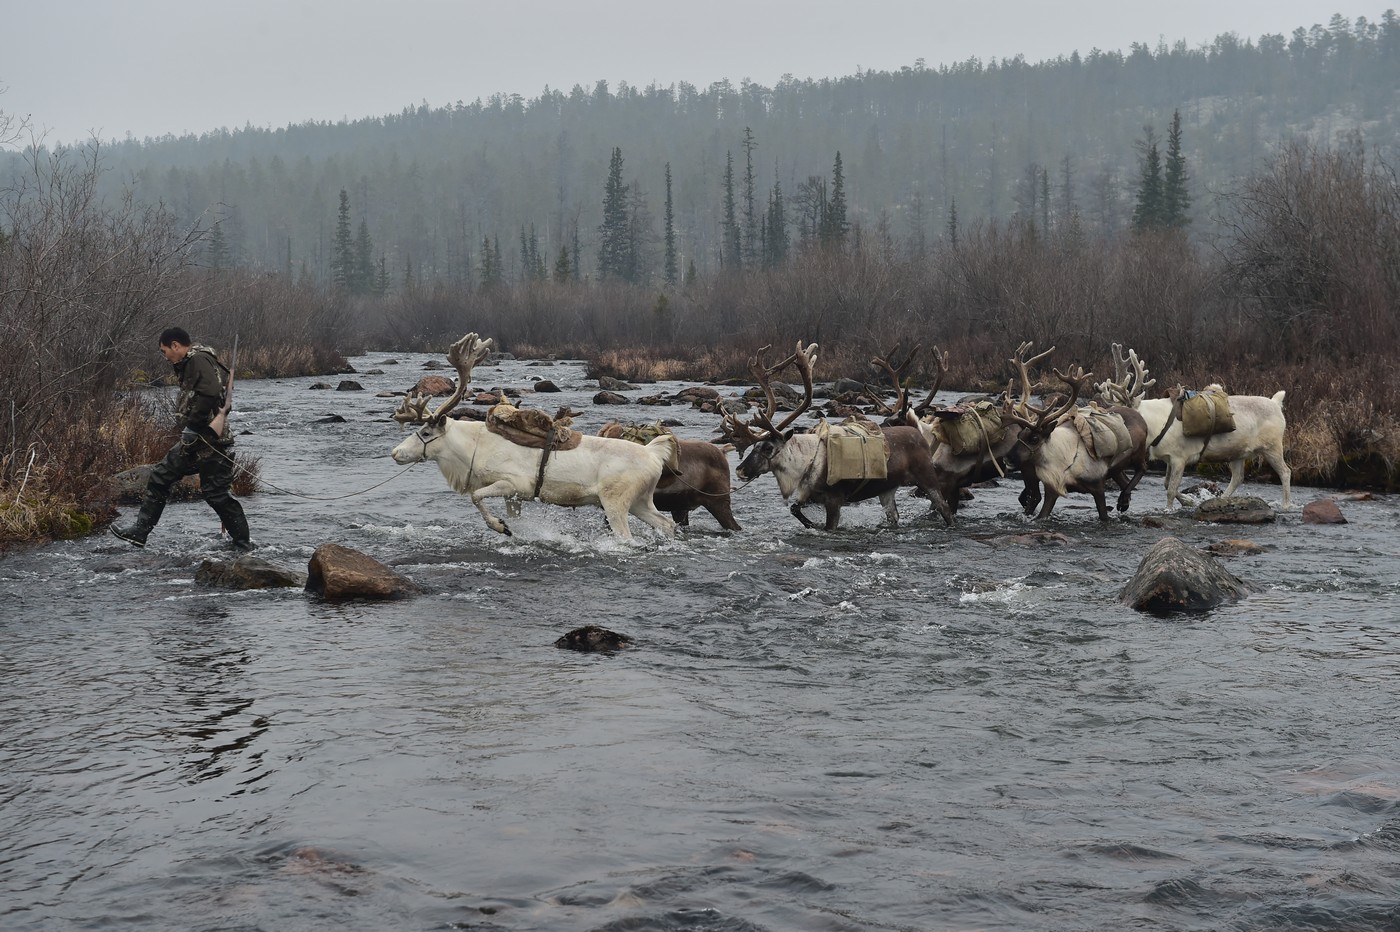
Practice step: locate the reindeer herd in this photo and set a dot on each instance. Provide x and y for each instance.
(1058, 446)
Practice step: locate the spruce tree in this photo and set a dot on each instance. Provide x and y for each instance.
(562, 270)
(343, 249)
(1176, 200)
(615, 233)
(750, 214)
(363, 282)
(732, 255)
(670, 268)
(1147, 214)
(775, 234)
(834, 223)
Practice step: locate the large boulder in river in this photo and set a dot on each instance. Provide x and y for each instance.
(611, 398)
(609, 384)
(1237, 509)
(337, 572)
(1173, 577)
(434, 386)
(1323, 511)
(245, 573)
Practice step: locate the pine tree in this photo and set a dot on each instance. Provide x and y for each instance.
(381, 285)
(1176, 200)
(669, 270)
(953, 223)
(343, 249)
(1147, 215)
(615, 230)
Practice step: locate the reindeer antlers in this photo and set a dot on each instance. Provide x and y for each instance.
(464, 355)
(741, 433)
(1129, 378)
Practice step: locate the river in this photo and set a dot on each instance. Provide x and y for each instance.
(917, 728)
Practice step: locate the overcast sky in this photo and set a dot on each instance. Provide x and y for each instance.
(151, 67)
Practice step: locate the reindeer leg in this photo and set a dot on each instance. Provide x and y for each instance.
(722, 513)
(1236, 476)
(1051, 497)
(1285, 476)
(796, 510)
(1030, 493)
(645, 510)
(502, 488)
(616, 512)
(1175, 468)
(1101, 501)
(891, 510)
(833, 514)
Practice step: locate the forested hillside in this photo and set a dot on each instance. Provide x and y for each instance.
(500, 188)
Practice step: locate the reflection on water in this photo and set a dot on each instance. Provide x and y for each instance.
(907, 729)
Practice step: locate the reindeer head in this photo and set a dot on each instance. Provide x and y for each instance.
(1037, 423)
(464, 355)
(759, 432)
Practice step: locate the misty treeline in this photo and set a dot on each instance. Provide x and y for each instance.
(498, 188)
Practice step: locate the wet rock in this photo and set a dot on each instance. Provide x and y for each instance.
(388, 362)
(389, 394)
(131, 486)
(545, 385)
(1030, 539)
(1174, 577)
(374, 372)
(1323, 511)
(609, 384)
(349, 385)
(696, 394)
(246, 573)
(434, 386)
(845, 386)
(1237, 509)
(611, 398)
(320, 386)
(593, 638)
(1235, 547)
(654, 401)
(434, 364)
(337, 572)
(1358, 497)
(330, 419)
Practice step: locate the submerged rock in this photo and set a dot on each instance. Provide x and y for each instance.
(611, 398)
(337, 572)
(592, 638)
(245, 573)
(1234, 547)
(1237, 509)
(1173, 577)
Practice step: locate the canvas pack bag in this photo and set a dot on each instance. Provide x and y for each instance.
(855, 449)
(969, 428)
(1206, 413)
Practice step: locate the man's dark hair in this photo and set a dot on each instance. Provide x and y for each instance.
(171, 335)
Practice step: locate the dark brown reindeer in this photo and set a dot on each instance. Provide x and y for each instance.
(701, 482)
(799, 460)
(1051, 447)
(956, 471)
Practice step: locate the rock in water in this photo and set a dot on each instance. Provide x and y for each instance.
(1237, 509)
(592, 638)
(1173, 577)
(1323, 511)
(245, 573)
(337, 572)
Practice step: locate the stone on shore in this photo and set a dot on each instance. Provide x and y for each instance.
(337, 572)
(1174, 577)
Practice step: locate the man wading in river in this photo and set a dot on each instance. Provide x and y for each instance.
(201, 449)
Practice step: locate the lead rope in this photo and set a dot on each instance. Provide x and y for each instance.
(239, 468)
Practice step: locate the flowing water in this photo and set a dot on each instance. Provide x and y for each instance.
(917, 728)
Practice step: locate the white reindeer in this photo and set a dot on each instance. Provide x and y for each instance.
(617, 474)
(1259, 429)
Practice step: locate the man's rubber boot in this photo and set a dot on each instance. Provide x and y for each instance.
(135, 533)
(237, 527)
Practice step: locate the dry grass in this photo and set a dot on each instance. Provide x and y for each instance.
(286, 360)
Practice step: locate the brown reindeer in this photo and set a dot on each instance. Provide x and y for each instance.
(702, 481)
(799, 460)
